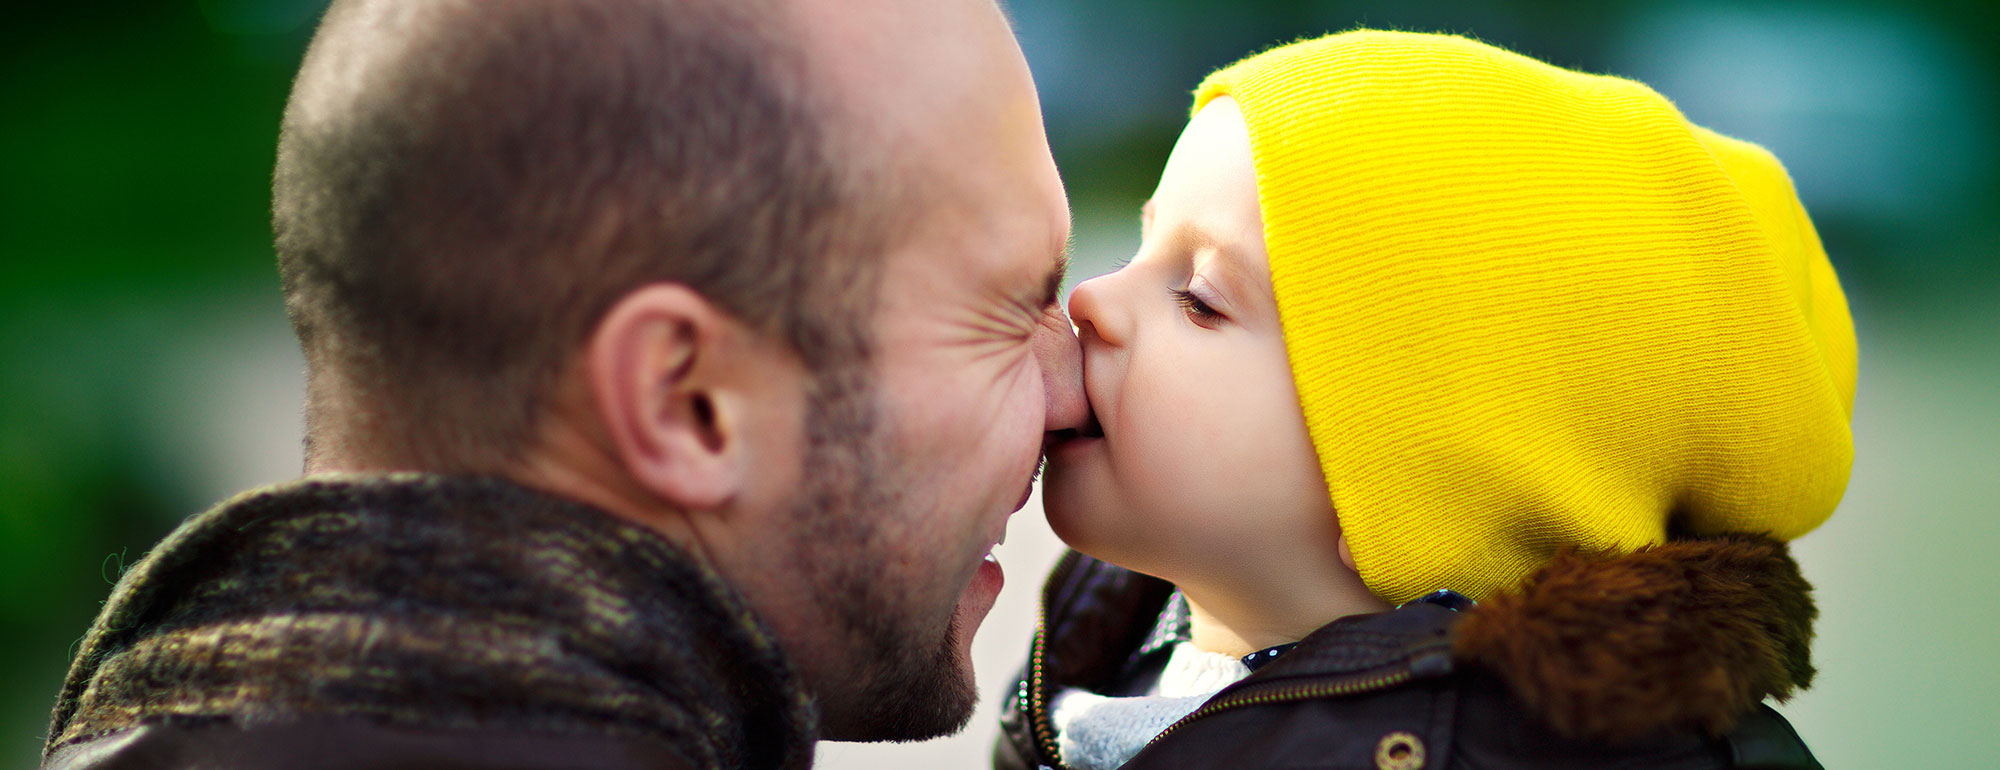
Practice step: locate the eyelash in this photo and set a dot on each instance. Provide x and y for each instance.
(1195, 308)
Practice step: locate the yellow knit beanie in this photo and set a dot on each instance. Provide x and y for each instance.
(1529, 308)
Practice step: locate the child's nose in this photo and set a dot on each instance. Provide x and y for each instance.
(1094, 310)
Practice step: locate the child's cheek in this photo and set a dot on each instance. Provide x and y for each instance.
(1169, 462)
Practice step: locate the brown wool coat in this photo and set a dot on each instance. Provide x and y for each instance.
(1660, 658)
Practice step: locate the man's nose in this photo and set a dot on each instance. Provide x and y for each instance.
(1062, 371)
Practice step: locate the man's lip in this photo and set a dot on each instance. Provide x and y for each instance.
(976, 601)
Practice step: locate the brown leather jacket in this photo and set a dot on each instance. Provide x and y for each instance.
(1657, 659)
(417, 621)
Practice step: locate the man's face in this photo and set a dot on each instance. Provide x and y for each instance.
(921, 460)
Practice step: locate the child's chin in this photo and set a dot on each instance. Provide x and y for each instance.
(1064, 522)
(1086, 522)
(1069, 509)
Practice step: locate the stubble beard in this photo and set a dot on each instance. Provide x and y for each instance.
(900, 676)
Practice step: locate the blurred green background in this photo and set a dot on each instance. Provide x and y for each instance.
(146, 370)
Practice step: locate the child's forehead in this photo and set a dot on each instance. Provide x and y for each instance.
(1211, 163)
(1206, 205)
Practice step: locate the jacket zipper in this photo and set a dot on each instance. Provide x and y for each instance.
(1035, 702)
(1044, 725)
(1283, 692)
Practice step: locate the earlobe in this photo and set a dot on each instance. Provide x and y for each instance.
(1347, 554)
(653, 363)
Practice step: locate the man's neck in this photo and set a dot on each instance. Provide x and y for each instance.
(564, 461)
(579, 465)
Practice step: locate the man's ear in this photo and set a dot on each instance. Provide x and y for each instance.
(657, 363)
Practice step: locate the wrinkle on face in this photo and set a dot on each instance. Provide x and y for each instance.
(954, 389)
(965, 297)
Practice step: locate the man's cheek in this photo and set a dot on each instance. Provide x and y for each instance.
(1016, 408)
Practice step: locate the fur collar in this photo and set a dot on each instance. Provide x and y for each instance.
(1686, 635)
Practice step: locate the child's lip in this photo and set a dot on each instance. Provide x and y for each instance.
(1091, 430)
(1059, 447)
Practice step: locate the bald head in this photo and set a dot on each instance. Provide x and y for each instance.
(463, 187)
(942, 82)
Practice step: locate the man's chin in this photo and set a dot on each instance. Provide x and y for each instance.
(913, 696)
(919, 694)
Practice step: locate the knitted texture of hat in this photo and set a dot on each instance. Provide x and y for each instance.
(1529, 308)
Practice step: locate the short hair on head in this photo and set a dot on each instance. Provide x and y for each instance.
(464, 187)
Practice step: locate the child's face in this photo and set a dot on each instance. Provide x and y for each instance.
(1205, 467)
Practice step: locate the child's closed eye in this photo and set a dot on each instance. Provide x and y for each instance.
(1197, 310)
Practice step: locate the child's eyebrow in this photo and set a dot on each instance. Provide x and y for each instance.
(1190, 237)
(1240, 284)
(1223, 262)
